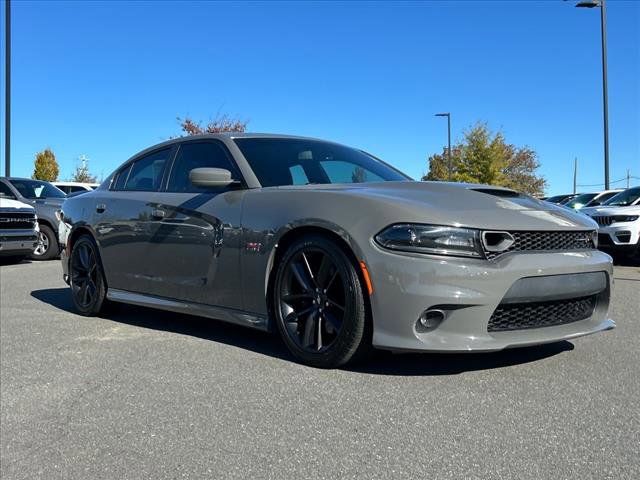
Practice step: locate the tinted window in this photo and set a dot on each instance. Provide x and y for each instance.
(5, 191)
(146, 173)
(601, 199)
(198, 155)
(580, 200)
(37, 189)
(276, 161)
(122, 178)
(624, 198)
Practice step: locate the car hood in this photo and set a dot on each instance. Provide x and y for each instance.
(605, 211)
(8, 204)
(471, 205)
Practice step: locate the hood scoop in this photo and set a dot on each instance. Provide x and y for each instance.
(498, 192)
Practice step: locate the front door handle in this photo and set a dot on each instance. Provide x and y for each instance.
(101, 207)
(158, 214)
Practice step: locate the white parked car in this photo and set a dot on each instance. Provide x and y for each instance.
(593, 199)
(75, 187)
(618, 221)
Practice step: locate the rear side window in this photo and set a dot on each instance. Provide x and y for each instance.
(122, 178)
(198, 155)
(146, 172)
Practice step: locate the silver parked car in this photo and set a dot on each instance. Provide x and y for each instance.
(334, 249)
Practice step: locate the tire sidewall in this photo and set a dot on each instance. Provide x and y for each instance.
(352, 333)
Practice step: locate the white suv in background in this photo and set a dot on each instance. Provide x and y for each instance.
(75, 187)
(618, 221)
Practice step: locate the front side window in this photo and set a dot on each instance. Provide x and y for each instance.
(291, 161)
(35, 189)
(5, 191)
(146, 172)
(198, 155)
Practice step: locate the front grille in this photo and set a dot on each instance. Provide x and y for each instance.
(534, 241)
(523, 316)
(603, 221)
(17, 220)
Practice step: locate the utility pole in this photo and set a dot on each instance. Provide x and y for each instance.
(449, 166)
(575, 173)
(7, 88)
(605, 103)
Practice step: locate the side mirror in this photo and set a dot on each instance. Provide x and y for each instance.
(210, 177)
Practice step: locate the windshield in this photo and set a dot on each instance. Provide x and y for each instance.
(601, 199)
(37, 189)
(580, 201)
(290, 161)
(624, 198)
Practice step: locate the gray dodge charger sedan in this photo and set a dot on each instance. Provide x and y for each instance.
(333, 248)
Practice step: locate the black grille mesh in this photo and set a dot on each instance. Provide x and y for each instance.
(603, 221)
(547, 241)
(17, 220)
(522, 316)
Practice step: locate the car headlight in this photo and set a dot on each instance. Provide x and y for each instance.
(434, 239)
(625, 218)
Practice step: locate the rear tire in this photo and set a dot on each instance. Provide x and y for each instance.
(319, 304)
(47, 247)
(86, 277)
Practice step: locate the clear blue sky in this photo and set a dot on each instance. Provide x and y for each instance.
(108, 79)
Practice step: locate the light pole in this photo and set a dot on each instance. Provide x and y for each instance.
(7, 89)
(448, 115)
(605, 103)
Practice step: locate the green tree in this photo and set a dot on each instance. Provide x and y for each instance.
(45, 166)
(222, 123)
(485, 157)
(82, 175)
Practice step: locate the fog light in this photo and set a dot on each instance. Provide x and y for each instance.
(430, 319)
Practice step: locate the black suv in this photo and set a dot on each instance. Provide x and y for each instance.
(46, 199)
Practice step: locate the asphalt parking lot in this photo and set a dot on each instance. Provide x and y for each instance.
(147, 394)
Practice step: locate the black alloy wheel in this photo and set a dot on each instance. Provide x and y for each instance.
(87, 281)
(319, 303)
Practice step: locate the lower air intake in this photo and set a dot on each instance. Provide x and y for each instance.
(522, 316)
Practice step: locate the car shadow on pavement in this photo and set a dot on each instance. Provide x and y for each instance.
(380, 363)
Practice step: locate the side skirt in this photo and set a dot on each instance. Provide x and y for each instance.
(230, 315)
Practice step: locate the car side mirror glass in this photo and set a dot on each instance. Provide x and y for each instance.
(210, 177)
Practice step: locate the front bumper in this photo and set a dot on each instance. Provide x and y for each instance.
(469, 291)
(17, 242)
(619, 236)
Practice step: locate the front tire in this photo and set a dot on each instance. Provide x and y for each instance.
(47, 247)
(319, 304)
(88, 288)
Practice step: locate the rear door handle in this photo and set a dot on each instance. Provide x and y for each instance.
(158, 214)
(101, 207)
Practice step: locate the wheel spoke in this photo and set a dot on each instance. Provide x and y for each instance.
(319, 333)
(333, 277)
(332, 320)
(302, 277)
(294, 316)
(307, 339)
(83, 256)
(306, 263)
(324, 271)
(298, 296)
(84, 293)
(334, 304)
